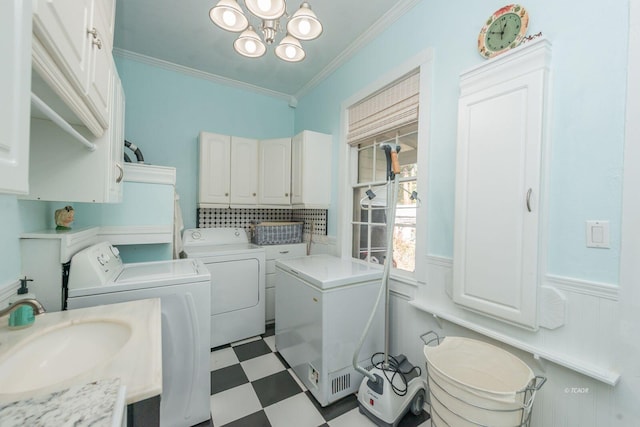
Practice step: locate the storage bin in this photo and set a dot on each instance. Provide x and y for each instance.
(276, 233)
(472, 383)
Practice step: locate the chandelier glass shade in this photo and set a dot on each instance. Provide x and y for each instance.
(302, 25)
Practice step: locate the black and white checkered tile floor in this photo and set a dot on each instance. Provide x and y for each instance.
(252, 386)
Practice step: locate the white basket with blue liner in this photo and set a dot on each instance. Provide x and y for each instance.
(276, 233)
(473, 383)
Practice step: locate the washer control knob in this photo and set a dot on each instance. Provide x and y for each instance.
(196, 235)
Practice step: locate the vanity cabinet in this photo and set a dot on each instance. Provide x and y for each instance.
(274, 172)
(15, 86)
(500, 175)
(311, 170)
(273, 253)
(228, 173)
(72, 43)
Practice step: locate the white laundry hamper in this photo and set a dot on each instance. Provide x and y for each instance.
(472, 383)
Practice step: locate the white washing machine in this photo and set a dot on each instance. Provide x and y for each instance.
(98, 276)
(322, 306)
(237, 281)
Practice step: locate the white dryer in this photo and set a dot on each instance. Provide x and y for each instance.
(98, 276)
(237, 281)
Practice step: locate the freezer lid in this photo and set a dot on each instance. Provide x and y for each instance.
(326, 271)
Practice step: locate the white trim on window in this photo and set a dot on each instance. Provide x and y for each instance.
(347, 162)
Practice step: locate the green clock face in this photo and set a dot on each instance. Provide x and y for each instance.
(503, 32)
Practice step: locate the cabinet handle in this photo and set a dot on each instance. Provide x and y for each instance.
(226, 194)
(97, 42)
(529, 200)
(119, 179)
(284, 252)
(93, 32)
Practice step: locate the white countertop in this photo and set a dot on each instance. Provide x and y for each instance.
(138, 364)
(96, 404)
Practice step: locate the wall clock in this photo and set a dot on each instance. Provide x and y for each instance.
(504, 30)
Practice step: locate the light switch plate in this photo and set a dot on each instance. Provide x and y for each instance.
(598, 234)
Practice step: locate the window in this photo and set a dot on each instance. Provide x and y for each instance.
(389, 115)
(370, 215)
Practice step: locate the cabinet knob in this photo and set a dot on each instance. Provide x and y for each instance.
(254, 194)
(286, 194)
(226, 194)
(93, 32)
(97, 42)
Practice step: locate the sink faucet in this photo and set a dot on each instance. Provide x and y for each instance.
(34, 303)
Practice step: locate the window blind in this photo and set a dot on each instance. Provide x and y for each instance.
(391, 107)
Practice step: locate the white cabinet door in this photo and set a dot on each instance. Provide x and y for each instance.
(100, 71)
(311, 170)
(15, 86)
(498, 189)
(244, 171)
(215, 161)
(117, 141)
(61, 26)
(71, 51)
(275, 172)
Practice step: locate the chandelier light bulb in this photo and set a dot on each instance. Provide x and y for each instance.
(290, 51)
(304, 26)
(229, 18)
(264, 5)
(251, 47)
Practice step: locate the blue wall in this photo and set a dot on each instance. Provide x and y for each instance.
(165, 111)
(586, 129)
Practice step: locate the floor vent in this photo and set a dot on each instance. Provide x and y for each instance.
(340, 383)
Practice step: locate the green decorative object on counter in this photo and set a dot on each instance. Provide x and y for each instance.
(64, 217)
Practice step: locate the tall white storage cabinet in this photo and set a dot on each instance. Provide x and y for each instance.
(499, 184)
(311, 170)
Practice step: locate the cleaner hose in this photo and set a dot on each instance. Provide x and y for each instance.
(392, 196)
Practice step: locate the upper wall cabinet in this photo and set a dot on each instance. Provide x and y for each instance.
(500, 175)
(15, 86)
(275, 172)
(61, 169)
(228, 171)
(270, 173)
(72, 42)
(311, 170)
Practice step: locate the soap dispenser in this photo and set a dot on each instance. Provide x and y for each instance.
(22, 316)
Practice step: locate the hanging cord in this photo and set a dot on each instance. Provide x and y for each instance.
(393, 368)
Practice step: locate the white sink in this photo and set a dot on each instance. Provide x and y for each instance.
(61, 352)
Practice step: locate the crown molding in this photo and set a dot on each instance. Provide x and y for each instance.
(398, 10)
(155, 62)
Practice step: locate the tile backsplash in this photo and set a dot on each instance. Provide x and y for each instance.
(315, 219)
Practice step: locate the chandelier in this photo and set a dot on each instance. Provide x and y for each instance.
(302, 25)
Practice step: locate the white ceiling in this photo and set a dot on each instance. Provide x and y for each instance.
(180, 32)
